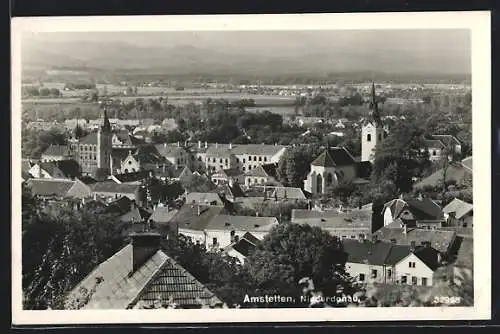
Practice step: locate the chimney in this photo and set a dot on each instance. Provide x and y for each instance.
(374, 238)
(401, 196)
(198, 206)
(165, 145)
(412, 245)
(420, 197)
(216, 145)
(361, 237)
(427, 244)
(206, 144)
(230, 145)
(144, 245)
(199, 143)
(163, 168)
(178, 144)
(393, 241)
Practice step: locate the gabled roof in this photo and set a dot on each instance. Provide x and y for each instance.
(203, 198)
(50, 187)
(241, 223)
(242, 246)
(160, 277)
(162, 214)
(231, 191)
(26, 165)
(131, 177)
(332, 219)
(454, 172)
(459, 207)
(250, 238)
(288, 193)
(90, 139)
(259, 171)
(425, 209)
(440, 240)
(334, 156)
(447, 140)
(127, 139)
(69, 167)
(434, 143)
(467, 164)
(113, 187)
(57, 150)
(188, 218)
(169, 150)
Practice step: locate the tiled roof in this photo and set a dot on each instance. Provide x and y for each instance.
(113, 187)
(232, 172)
(385, 253)
(288, 193)
(373, 253)
(447, 140)
(160, 277)
(259, 171)
(69, 167)
(242, 223)
(169, 150)
(187, 217)
(87, 179)
(241, 149)
(434, 143)
(425, 209)
(57, 150)
(454, 172)
(332, 219)
(90, 139)
(242, 246)
(203, 198)
(163, 215)
(131, 177)
(334, 156)
(465, 255)
(127, 139)
(459, 207)
(50, 187)
(440, 240)
(250, 238)
(26, 165)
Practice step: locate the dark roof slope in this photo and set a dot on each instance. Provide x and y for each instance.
(425, 209)
(57, 150)
(50, 187)
(113, 187)
(366, 252)
(440, 240)
(334, 156)
(188, 218)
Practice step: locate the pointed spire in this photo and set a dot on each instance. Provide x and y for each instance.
(374, 112)
(106, 126)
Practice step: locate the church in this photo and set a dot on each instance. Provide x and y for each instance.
(336, 164)
(93, 152)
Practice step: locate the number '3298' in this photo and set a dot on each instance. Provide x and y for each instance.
(446, 300)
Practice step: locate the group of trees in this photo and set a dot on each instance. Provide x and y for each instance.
(32, 91)
(35, 142)
(60, 249)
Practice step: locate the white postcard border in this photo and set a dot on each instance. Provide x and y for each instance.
(479, 24)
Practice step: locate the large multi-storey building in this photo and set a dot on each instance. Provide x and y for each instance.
(93, 152)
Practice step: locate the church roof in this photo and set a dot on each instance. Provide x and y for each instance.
(334, 156)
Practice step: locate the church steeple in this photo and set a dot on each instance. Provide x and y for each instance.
(106, 126)
(374, 112)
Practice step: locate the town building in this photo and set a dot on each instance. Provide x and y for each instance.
(58, 188)
(144, 158)
(242, 247)
(55, 153)
(140, 276)
(351, 224)
(210, 198)
(414, 212)
(112, 190)
(459, 213)
(93, 152)
(228, 176)
(457, 172)
(262, 175)
(55, 169)
(288, 194)
(373, 261)
(332, 166)
(440, 240)
(176, 154)
(123, 139)
(222, 230)
(438, 145)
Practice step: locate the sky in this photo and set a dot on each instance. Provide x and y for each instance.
(439, 49)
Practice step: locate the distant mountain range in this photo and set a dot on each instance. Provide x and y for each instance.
(181, 59)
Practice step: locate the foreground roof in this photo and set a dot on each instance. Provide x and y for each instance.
(332, 219)
(455, 172)
(50, 187)
(159, 278)
(242, 223)
(113, 187)
(459, 207)
(194, 217)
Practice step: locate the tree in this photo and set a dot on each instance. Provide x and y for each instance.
(289, 253)
(402, 156)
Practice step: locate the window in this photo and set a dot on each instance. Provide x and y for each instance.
(220, 160)
(379, 136)
(214, 241)
(255, 181)
(414, 280)
(361, 277)
(265, 158)
(254, 158)
(368, 137)
(260, 158)
(243, 168)
(389, 273)
(237, 160)
(213, 160)
(434, 152)
(249, 167)
(243, 160)
(374, 273)
(411, 265)
(344, 236)
(353, 237)
(385, 134)
(424, 281)
(403, 279)
(227, 161)
(129, 162)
